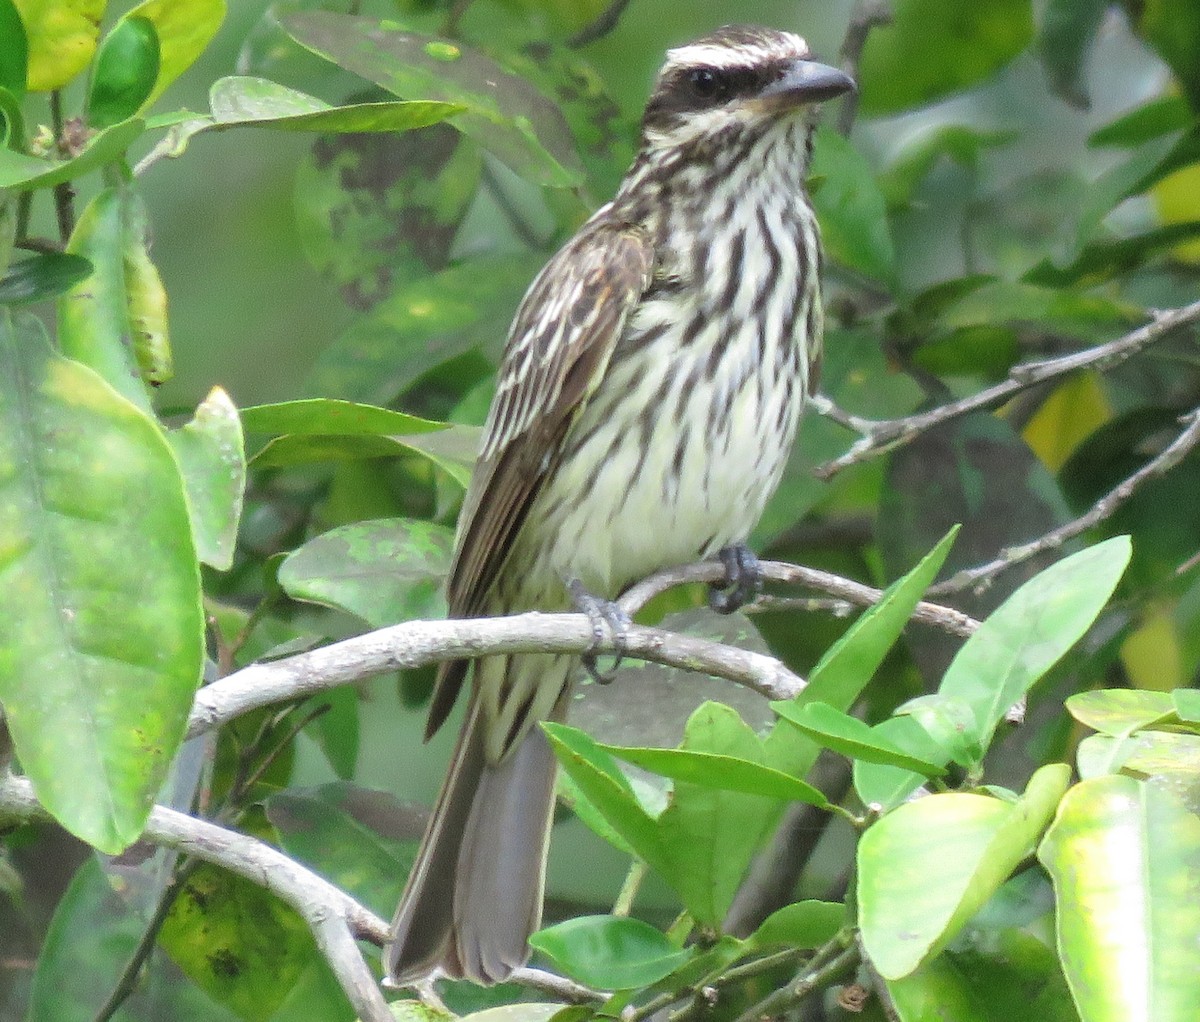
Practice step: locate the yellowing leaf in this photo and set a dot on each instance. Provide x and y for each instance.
(1072, 413)
(1177, 199)
(1151, 655)
(62, 38)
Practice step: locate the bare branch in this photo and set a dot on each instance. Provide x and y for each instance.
(867, 15)
(335, 918)
(566, 990)
(599, 28)
(1105, 507)
(878, 436)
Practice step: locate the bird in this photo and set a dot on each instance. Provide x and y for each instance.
(646, 404)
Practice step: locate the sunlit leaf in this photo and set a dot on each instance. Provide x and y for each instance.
(1125, 859)
(848, 735)
(62, 37)
(103, 648)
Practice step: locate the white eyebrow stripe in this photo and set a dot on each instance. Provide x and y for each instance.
(719, 56)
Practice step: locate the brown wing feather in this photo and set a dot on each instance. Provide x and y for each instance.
(558, 348)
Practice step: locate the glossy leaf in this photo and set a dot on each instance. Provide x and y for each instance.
(504, 113)
(237, 942)
(932, 49)
(1120, 711)
(848, 735)
(103, 650)
(45, 275)
(851, 209)
(62, 37)
(1145, 754)
(328, 417)
(721, 773)
(1187, 705)
(20, 171)
(886, 787)
(1068, 33)
(384, 571)
(94, 324)
(598, 779)
(213, 462)
(126, 69)
(263, 104)
(802, 924)
(950, 722)
(1125, 859)
(609, 952)
(184, 28)
(1032, 630)
(362, 840)
(976, 842)
(846, 668)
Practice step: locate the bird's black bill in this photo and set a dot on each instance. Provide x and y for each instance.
(808, 81)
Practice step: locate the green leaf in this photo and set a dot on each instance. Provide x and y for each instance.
(237, 941)
(62, 38)
(933, 48)
(833, 729)
(963, 144)
(1187, 704)
(609, 952)
(103, 648)
(94, 324)
(363, 841)
(1172, 28)
(20, 171)
(126, 70)
(263, 104)
(1160, 116)
(1124, 856)
(990, 977)
(803, 924)
(851, 209)
(1068, 32)
(709, 837)
(384, 571)
(375, 210)
(504, 113)
(1032, 630)
(599, 780)
(328, 417)
(43, 276)
(14, 51)
(1120, 711)
(211, 456)
(721, 773)
(184, 28)
(1147, 754)
(885, 787)
(850, 663)
(425, 323)
(950, 723)
(976, 842)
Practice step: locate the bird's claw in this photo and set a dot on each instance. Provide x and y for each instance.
(743, 580)
(600, 612)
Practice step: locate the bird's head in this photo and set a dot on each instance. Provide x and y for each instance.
(736, 78)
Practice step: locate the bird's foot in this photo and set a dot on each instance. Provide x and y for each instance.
(600, 612)
(743, 580)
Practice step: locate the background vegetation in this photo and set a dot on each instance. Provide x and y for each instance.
(1011, 211)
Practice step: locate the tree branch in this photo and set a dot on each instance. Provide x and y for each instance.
(867, 15)
(877, 436)
(334, 917)
(1105, 507)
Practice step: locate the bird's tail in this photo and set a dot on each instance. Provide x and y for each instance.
(475, 892)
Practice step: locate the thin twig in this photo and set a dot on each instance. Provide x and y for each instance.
(1105, 507)
(335, 918)
(877, 436)
(64, 194)
(867, 15)
(599, 28)
(827, 965)
(563, 989)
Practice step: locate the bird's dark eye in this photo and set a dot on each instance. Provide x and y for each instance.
(706, 82)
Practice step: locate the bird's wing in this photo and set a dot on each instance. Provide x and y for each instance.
(561, 340)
